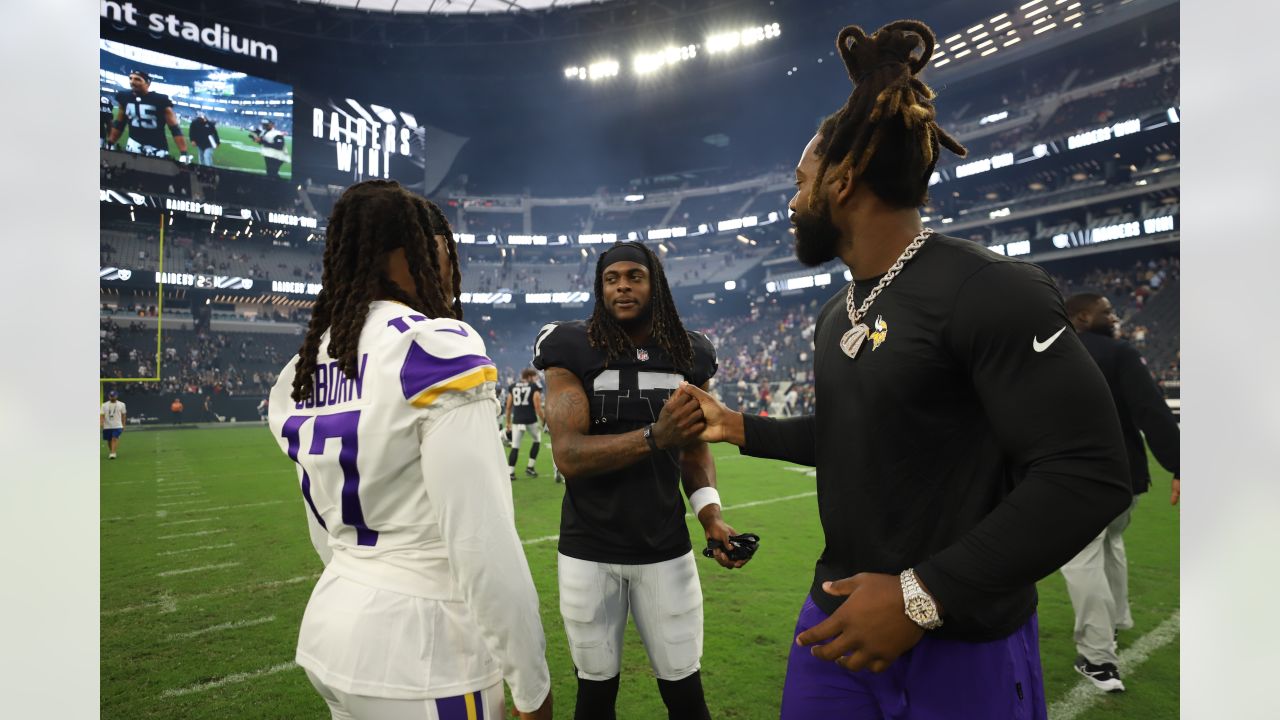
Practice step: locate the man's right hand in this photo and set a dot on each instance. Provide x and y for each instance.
(722, 424)
(679, 423)
(542, 713)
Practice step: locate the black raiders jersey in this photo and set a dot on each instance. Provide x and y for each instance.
(145, 116)
(522, 410)
(636, 515)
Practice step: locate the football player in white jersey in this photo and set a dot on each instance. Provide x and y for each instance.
(111, 419)
(426, 603)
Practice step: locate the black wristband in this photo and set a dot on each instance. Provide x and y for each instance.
(648, 438)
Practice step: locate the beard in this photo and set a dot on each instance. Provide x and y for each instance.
(817, 238)
(1104, 327)
(644, 317)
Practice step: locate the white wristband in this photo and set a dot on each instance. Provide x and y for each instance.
(703, 497)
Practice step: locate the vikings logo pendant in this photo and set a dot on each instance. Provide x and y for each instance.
(852, 341)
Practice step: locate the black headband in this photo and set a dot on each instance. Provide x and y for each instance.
(624, 252)
(143, 74)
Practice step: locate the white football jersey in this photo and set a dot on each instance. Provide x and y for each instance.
(113, 415)
(406, 490)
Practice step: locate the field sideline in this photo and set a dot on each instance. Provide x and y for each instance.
(206, 569)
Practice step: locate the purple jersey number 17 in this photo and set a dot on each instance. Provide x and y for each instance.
(342, 426)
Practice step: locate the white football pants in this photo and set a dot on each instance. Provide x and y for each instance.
(665, 599)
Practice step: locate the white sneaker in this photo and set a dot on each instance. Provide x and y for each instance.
(112, 456)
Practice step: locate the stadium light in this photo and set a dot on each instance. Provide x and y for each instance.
(730, 285)
(633, 198)
(600, 70)
(726, 42)
(645, 63)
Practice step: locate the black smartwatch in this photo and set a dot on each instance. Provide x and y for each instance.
(648, 437)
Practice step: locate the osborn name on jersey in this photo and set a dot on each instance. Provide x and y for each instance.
(404, 485)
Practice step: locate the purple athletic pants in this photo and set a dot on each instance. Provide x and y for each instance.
(937, 679)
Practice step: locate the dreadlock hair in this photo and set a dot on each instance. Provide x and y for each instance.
(370, 220)
(887, 130)
(604, 331)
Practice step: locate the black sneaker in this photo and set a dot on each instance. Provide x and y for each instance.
(530, 472)
(513, 477)
(1104, 676)
(559, 477)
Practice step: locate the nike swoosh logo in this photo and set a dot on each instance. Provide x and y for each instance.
(460, 331)
(1042, 346)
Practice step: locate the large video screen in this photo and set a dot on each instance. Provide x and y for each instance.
(225, 119)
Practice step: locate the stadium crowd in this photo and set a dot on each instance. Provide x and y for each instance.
(765, 355)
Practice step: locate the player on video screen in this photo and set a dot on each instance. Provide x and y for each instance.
(146, 113)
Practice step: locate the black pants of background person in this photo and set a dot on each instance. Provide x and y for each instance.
(273, 167)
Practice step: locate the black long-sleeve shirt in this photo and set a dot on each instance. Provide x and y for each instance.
(1141, 406)
(976, 441)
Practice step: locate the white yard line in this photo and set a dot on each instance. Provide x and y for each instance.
(204, 473)
(766, 502)
(192, 534)
(195, 549)
(182, 502)
(229, 507)
(169, 603)
(123, 482)
(188, 522)
(202, 568)
(224, 626)
(1083, 696)
(128, 517)
(229, 680)
(552, 538)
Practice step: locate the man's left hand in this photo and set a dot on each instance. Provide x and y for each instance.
(717, 529)
(870, 630)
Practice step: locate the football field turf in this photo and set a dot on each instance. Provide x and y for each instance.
(206, 570)
(236, 152)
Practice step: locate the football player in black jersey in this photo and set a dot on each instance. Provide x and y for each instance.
(524, 415)
(146, 113)
(626, 441)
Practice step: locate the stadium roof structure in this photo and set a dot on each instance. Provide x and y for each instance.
(452, 7)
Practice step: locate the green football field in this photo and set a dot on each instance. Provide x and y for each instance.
(236, 152)
(206, 569)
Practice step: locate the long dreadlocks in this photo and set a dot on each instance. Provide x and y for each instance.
(887, 130)
(604, 330)
(370, 220)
